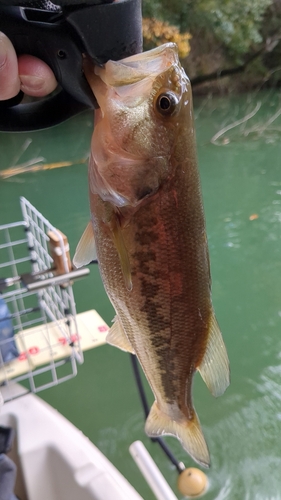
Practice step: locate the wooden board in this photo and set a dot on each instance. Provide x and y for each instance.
(46, 343)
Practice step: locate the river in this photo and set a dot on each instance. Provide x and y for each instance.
(241, 181)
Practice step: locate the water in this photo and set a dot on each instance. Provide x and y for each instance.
(241, 181)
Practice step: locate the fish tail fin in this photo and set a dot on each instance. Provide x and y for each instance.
(214, 368)
(187, 431)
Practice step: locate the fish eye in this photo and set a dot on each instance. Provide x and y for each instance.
(166, 103)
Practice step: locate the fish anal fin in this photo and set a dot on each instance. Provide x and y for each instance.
(117, 337)
(214, 368)
(86, 248)
(187, 431)
(122, 251)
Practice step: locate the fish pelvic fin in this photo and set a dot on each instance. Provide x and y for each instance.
(122, 251)
(187, 431)
(86, 248)
(117, 337)
(214, 368)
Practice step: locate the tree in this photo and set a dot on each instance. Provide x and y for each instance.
(227, 37)
(157, 32)
(235, 23)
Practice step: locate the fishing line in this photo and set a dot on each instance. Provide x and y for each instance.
(179, 465)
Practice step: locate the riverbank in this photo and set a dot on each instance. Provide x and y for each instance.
(212, 69)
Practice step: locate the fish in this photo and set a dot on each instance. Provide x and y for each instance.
(147, 231)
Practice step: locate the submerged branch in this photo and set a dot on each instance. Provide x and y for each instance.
(259, 129)
(235, 124)
(271, 120)
(35, 166)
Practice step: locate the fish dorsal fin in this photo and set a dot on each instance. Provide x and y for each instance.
(188, 431)
(214, 368)
(86, 248)
(122, 251)
(117, 337)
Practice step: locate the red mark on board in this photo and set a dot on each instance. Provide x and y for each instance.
(22, 356)
(75, 337)
(33, 350)
(103, 328)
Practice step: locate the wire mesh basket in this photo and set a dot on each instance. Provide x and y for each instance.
(39, 340)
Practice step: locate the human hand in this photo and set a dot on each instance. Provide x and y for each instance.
(27, 73)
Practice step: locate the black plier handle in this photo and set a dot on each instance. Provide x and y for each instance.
(60, 32)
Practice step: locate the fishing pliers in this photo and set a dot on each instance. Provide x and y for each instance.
(61, 32)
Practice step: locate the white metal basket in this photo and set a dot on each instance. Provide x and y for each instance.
(41, 306)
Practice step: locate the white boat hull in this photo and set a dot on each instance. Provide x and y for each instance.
(55, 460)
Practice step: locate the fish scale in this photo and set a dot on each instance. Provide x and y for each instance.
(149, 231)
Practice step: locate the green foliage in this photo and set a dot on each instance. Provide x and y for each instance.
(234, 23)
(157, 32)
(176, 12)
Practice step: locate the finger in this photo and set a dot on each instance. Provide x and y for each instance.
(9, 79)
(36, 77)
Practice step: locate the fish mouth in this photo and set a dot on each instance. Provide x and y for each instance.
(139, 66)
(131, 78)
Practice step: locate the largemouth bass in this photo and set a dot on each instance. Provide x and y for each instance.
(148, 231)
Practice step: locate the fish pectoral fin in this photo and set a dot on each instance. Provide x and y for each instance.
(86, 248)
(188, 432)
(117, 337)
(122, 251)
(214, 368)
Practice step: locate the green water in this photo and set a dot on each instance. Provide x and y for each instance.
(239, 179)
